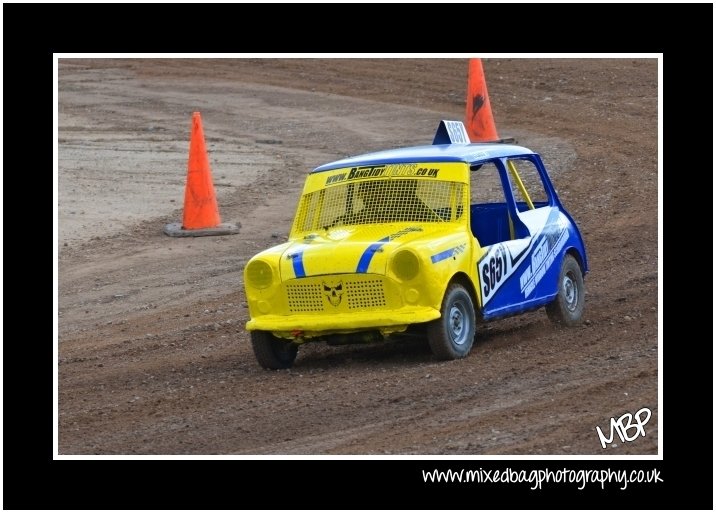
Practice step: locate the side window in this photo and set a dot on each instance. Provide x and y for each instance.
(527, 185)
(485, 184)
(489, 217)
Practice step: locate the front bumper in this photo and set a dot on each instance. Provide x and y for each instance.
(309, 326)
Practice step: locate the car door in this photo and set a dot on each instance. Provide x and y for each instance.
(508, 214)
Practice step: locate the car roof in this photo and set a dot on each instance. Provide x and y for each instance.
(469, 153)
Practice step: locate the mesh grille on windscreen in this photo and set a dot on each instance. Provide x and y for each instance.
(380, 201)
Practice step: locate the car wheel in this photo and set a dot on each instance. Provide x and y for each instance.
(568, 306)
(273, 352)
(451, 336)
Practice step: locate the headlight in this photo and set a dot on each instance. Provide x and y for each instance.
(259, 274)
(406, 265)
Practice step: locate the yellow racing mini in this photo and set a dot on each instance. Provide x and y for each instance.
(433, 238)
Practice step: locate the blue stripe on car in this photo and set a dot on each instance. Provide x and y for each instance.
(298, 269)
(367, 255)
(442, 255)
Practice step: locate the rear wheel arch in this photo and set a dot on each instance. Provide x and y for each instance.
(567, 307)
(578, 257)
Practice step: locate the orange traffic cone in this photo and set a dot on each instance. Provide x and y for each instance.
(478, 113)
(201, 211)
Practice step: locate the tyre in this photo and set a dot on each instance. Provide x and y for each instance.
(273, 352)
(451, 336)
(567, 307)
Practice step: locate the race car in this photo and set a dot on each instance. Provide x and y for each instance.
(429, 239)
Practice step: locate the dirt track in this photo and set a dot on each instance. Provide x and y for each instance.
(153, 355)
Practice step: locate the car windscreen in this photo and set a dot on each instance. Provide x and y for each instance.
(383, 200)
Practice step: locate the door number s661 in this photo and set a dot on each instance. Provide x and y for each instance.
(493, 270)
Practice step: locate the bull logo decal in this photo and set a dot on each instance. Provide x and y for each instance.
(334, 292)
